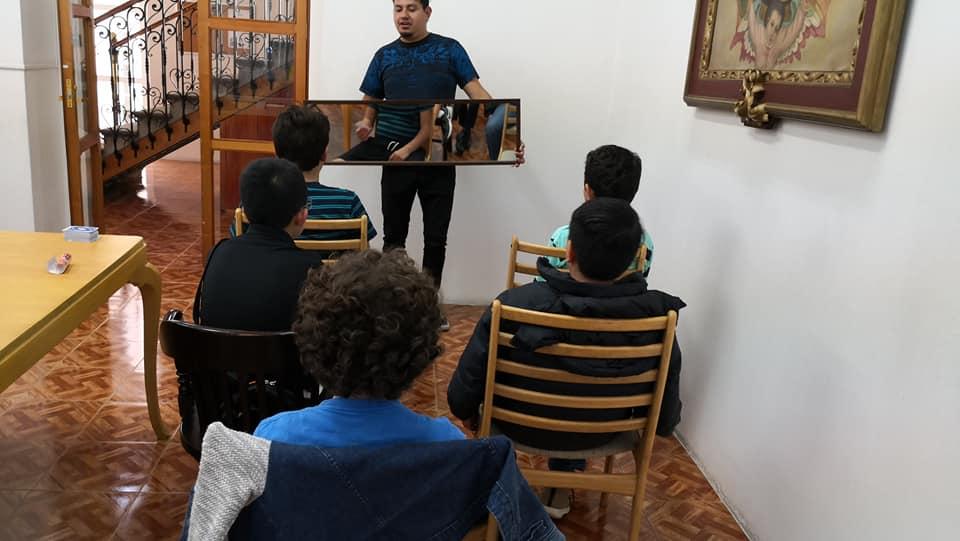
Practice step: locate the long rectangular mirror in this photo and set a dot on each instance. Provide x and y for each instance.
(460, 132)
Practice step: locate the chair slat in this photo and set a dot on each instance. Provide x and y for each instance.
(333, 225)
(568, 401)
(539, 249)
(352, 224)
(592, 352)
(591, 427)
(562, 376)
(618, 483)
(572, 323)
(331, 245)
(529, 270)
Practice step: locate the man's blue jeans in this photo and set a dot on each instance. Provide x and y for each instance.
(494, 130)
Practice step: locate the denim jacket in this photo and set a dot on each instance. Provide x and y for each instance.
(258, 489)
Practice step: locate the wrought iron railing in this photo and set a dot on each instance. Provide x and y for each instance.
(147, 64)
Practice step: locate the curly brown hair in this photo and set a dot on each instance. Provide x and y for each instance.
(368, 325)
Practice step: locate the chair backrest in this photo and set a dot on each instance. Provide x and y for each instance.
(517, 247)
(235, 377)
(648, 400)
(352, 224)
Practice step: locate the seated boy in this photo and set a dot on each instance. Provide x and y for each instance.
(605, 234)
(301, 134)
(251, 282)
(402, 134)
(610, 171)
(366, 328)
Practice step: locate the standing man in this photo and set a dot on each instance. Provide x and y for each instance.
(418, 65)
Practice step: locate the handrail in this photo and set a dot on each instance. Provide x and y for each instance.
(186, 11)
(122, 7)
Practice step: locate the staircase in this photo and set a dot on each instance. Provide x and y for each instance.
(148, 85)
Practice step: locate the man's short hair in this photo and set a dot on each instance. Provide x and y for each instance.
(368, 325)
(613, 171)
(301, 134)
(424, 3)
(272, 192)
(605, 233)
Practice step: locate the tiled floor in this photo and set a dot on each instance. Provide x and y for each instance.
(78, 459)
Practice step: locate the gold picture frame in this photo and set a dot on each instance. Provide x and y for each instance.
(844, 82)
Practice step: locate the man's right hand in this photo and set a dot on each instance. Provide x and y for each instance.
(363, 129)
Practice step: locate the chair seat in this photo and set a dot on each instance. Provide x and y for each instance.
(624, 442)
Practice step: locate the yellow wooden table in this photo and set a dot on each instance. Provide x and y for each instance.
(39, 309)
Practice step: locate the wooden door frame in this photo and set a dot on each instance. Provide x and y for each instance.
(300, 30)
(67, 11)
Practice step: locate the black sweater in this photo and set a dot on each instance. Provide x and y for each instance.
(252, 282)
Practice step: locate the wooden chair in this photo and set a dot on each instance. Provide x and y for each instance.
(352, 224)
(235, 377)
(517, 247)
(637, 433)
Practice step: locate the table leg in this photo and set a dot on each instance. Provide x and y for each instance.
(147, 278)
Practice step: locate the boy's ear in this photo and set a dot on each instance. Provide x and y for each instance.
(323, 157)
(588, 192)
(301, 217)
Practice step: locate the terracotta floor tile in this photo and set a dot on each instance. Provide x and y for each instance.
(179, 291)
(680, 519)
(175, 472)
(106, 354)
(131, 388)
(55, 420)
(103, 467)
(9, 502)
(127, 422)
(67, 515)
(160, 259)
(24, 462)
(154, 516)
(75, 383)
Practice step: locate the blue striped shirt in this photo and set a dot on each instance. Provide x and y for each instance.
(329, 203)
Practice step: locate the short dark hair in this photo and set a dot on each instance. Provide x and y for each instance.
(605, 233)
(368, 324)
(272, 192)
(424, 3)
(613, 171)
(301, 134)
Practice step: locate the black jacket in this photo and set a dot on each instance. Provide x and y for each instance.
(252, 282)
(561, 294)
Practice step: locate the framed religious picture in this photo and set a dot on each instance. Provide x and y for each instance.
(828, 61)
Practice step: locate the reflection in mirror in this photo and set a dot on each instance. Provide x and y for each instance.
(461, 132)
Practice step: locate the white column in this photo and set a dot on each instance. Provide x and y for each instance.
(33, 179)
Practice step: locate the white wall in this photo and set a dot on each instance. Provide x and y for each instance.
(820, 344)
(48, 161)
(34, 175)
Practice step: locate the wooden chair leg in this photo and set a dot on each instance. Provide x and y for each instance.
(607, 469)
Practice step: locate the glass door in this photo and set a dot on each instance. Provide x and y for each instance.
(80, 119)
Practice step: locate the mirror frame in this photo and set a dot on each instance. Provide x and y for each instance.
(445, 163)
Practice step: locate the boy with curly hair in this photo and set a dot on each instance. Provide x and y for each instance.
(366, 327)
